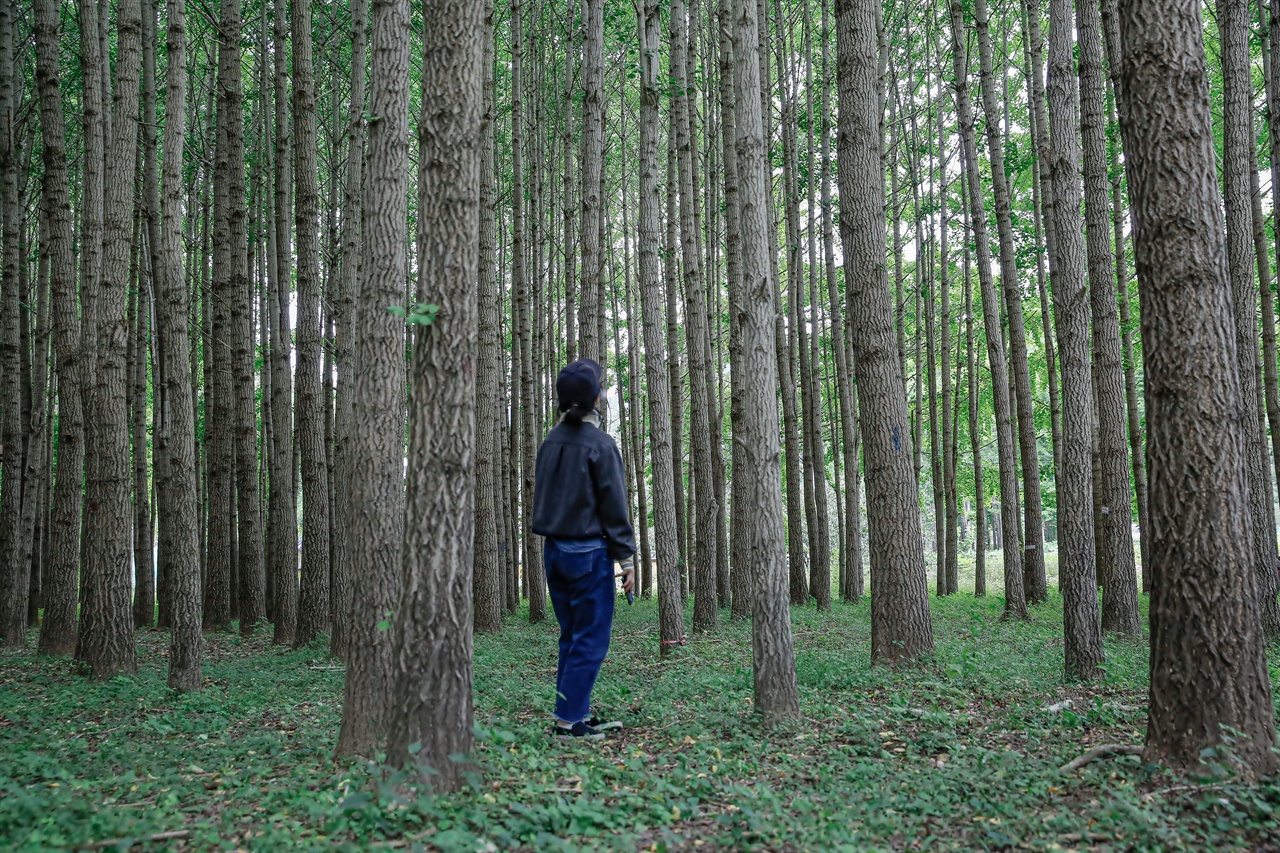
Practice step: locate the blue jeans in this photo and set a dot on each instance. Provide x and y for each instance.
(580, 579)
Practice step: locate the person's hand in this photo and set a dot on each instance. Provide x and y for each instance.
(628, 575)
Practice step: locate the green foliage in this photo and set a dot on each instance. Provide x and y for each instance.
(960, 754)
(421, 314)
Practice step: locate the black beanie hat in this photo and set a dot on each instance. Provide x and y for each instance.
(579, 385)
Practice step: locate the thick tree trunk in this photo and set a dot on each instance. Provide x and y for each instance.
(900, 626)
(773, 656)
(1076, 554)
(58, 631)
(975, 437)
(313, 603)
(107, 634)
(1015, 598)
(433, 704)
(376, 497)
(1204, 604)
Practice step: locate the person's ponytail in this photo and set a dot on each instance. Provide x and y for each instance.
(575, 414)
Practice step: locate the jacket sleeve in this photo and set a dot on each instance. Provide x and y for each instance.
(611, 503)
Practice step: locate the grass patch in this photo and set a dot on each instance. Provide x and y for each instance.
(961, 753)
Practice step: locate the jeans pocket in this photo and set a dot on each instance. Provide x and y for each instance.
(575, 566)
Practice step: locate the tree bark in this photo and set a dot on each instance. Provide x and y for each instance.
(670, 612)
(1033, 547)
(16, 576)
(773, 656)
(703, 562)
(346, 322)
(900, 626)
(1237, 136)
(313, 604)
(179, 534)
(1015, 598)
(1207, 660)
(593, 109)
(283, 505)
(1076, 554)
(108, 634)
(376, 497)
(58, 631)
(433, 704)
(1116, 571)
(488, 571)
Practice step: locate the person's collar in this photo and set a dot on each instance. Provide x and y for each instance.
(592, 418)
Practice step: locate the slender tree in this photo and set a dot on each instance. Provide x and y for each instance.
(1076, 555)
(772, 652)
(313, 604)
(1015, 598)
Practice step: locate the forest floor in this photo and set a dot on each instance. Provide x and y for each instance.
(958, 754)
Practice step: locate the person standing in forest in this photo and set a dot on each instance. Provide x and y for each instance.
(580, 506)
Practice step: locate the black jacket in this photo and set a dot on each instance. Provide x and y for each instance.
(580, 491)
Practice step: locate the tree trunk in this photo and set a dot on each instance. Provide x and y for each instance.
(975, 438)
(144, 598)
(376, 498)
(773, 657)
(851, 545)
(593, 109)
(900, 626)
(703, 562)
(488, 572)
(670, 613)
(283, 505)
(1114, 537)
(433, 704)
(1237, 136)
(178, 535)
(1204, 604)
(108, 633)
(58, 631)
(250, 584)
(313, 604)
(346, 321)
(1015, 599)
(1076, 555)
(15, 577)
(1033, 546)
(674, 381)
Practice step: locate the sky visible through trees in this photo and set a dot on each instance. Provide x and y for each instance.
(897, 305)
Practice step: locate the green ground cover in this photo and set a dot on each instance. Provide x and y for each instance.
(960, 754)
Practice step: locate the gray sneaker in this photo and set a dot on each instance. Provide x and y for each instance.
(600, 724)
(578, 731)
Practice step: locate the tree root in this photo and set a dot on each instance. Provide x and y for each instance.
(1106, 750)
